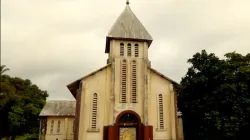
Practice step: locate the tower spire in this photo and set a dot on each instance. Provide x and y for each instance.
(127, 27)
(127, 2)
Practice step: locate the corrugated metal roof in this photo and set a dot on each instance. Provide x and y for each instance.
(128, 26)
(59, 108)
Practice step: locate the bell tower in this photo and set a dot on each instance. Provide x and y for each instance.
(127, 28)
(127, 44)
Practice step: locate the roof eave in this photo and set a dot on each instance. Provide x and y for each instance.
(165, 77)
(75, 85)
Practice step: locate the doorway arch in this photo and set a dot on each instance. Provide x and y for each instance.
(128, 115)
(128, 124)
(120, 130)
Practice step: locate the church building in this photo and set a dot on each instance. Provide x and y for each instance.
(126, 99)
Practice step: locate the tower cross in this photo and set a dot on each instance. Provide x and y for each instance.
(127, 2)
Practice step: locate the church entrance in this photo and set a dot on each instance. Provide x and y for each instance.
(128, 126)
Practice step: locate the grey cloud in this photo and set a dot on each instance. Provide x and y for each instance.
(56, 42)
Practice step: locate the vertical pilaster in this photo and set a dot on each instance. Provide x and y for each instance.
(145, 92)
(180, 127)
(66, 133)
(106, 98)
(43, 128)
(112, 96)
(78, 111)
(175, 116)
(145, 81)
(172, 112)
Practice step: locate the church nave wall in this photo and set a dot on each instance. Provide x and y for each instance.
(160, 103)
(95, 108)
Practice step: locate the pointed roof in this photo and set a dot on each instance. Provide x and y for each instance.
(128, 27)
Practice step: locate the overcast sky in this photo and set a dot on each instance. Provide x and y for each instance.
(55, 42)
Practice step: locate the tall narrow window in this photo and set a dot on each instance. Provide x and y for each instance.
(129, 49)
(51, 127)
(94, 112)
(136, 50)
(121, 49)
(160, 108)
(58, 126)
(123, 97)
(133, 82)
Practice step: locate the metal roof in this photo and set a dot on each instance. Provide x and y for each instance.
(128, 26)
(59, 108)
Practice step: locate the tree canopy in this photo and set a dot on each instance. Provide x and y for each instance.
(20, 104)
(3, 69)
(215, 97)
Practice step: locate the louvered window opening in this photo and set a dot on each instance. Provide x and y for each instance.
(124, 82)
(133, 83)
(129, 49)
(121, 49)
(94, 112)
(58, 126)
(51, 126)
(161, 118)
(136, 50)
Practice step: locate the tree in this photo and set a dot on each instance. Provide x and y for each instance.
(20, 104)
(3, 69)
(215, 97)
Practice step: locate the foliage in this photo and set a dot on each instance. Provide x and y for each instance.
(215, 97)
(3, 69)
(20, 104)
(32, 136)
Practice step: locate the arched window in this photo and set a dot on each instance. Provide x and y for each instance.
(51, 126)
(136, 50)
(58, 126)
(160, 111)
(129, 49)
(121, 49)
(94, 112)
(123, 97)
(133, 82)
